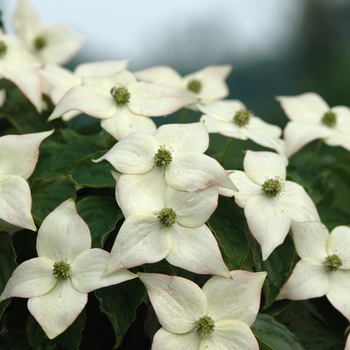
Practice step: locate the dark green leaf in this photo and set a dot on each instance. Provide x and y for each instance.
(90, 174)
(101, 213)
(228, 225)
(119, 303)
(272, 335)
(68, 340)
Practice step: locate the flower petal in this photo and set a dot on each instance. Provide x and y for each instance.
(160, 75)
(193, 171)
(155, 100)
(236, 298)
(222, 110)
(16, 202)
(192, 208)
(308, 280)
(307, 107)
(231, 334)
(94, 69)
(260, 166)
(141, 239)
(134, 154)
(124, 122)
(178, 302)
(164, 340)
(339, 243)
(196, 250)
(19, 153)
(87, 270)
(63, 234)
(56, 310)
(338, 293)
(32, 278)
(268, 221)
(310, 240)
(182, 138)
(144, 192)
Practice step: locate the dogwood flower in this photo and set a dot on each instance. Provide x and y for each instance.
(207, 84)
(270, 202)
(218, 316)
(324, 268)
(66, 270)
(61, 80)
(173, 157)
(48, 42)
(19, 66)
(347, 345)
(175, 231)
(311, 119)
(231, 118)
(123, 103)
(18, 157)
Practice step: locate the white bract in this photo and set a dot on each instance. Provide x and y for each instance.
(174, 230)
(324, 268)
(270, 202)
(207, 84)
(231, 118)
(48, 42)
(312, 119)
(60, 80)
(173, 157)
(123, 103)
(218, 316)
(19, 66)
(18, 157)
(66, 270)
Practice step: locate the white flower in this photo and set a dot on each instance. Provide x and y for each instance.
(66, 270)
(123, 103)
(218, 316)
(207, 84)
(49, 42)
(231, 118)
(174, 230)
(311, 119)
(61, 80)
(324, 268)
(270, 202)
(18, 157)
(19, 66)
(173, 157)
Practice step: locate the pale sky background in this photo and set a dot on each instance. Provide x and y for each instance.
(171, 32)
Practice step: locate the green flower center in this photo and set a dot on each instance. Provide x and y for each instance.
(39, 43)
(61, 270)
(194, 86)
(163, 157)
(3, 49)
(121, 95)
(333, 262)
(167, 217)
(272, 187)
(205, 326)
(241, 118)
(329, 119)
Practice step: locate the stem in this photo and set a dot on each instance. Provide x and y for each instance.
(316, 152)
(228, 144)
(183, 116)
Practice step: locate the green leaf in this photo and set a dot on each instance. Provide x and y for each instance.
(101, 213)
(68, 340)
(228, 225)
(7, 264)
(47, 195)
(278, 267)
(90, 174)
(272, 335)
(119, 303)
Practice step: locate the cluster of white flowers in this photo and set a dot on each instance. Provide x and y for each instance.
(167, 189)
